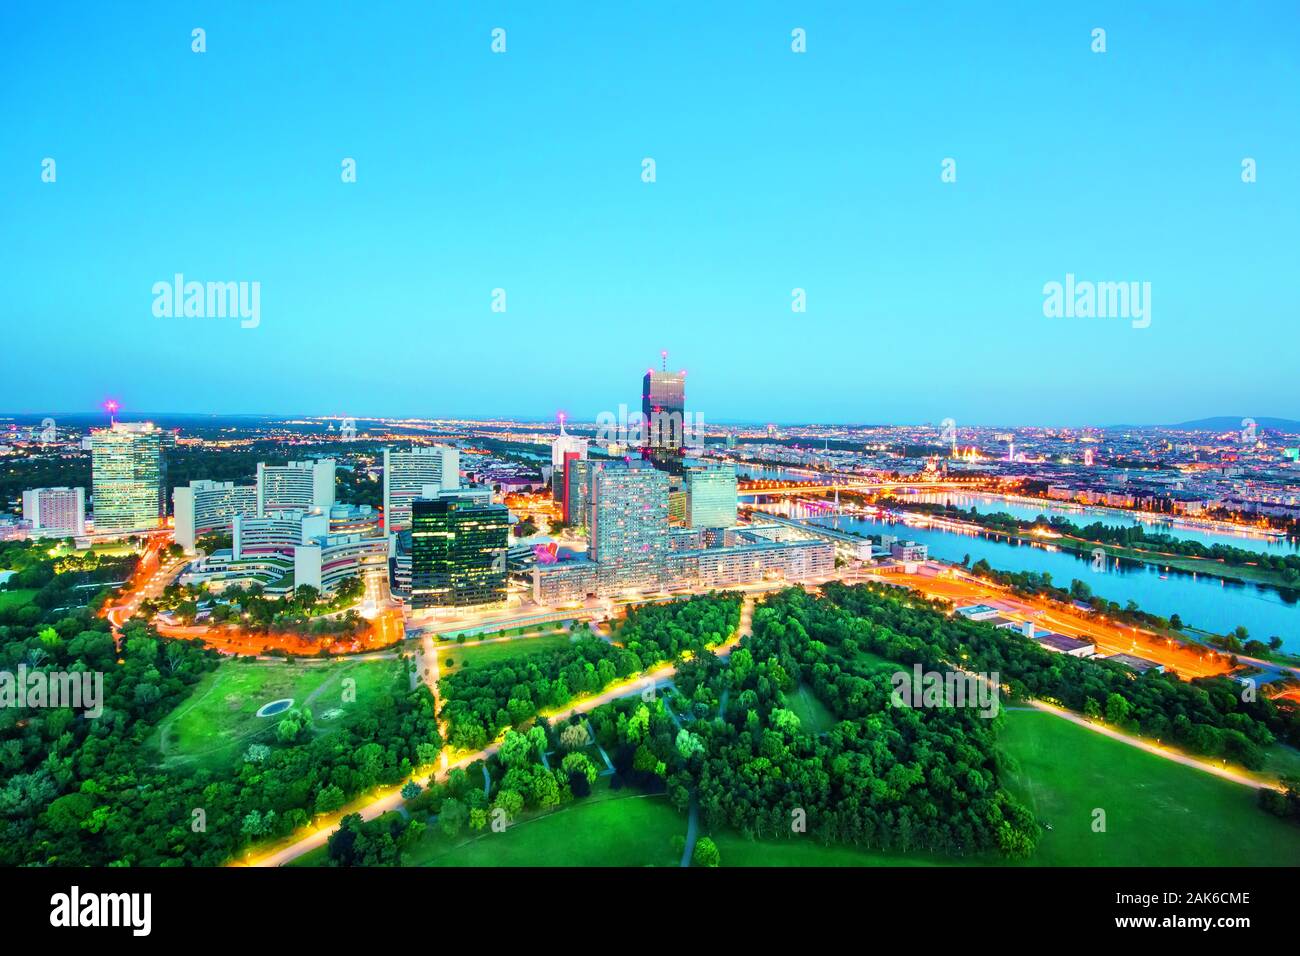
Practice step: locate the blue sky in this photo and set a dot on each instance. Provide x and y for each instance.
(775, 170)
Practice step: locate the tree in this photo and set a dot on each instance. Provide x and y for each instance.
(452, 817)
(705, 853)
(689, 744)
(1117, 709)
(573, 737)
(516, 750)
(330, 799)
(579, 763)
(411, 790)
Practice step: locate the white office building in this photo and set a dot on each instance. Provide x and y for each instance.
(299, 485)
(406, 473)
(210, 507)
(55, 512)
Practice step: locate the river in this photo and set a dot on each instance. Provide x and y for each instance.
(1200, 600)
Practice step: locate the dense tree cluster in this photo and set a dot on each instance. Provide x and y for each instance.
(1210, 716)
(378, 842)
(480, 702)
(302, 611)
(893, 778)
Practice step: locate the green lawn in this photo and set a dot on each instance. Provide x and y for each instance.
(1158, 813)
(627, 829)
(609, 828)
(16, 598)
(482, 654)
(1281, 761)
(218, 721)
(814, 716)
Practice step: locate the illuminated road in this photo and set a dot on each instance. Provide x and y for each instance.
(1109, 637)
(148, 582)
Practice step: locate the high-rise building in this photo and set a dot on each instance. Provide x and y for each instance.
(127, 477)
(628, 523)
(710, 494)
(299, 485)
(564, 449)
(458, 551)
(208, 507)
(663, 405)
(573, 495)
(407, 472)
(564, 444)
(55, 512)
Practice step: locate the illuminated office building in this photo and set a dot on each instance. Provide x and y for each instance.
(710, 494)
(663, 405)
(127, 474)
(458, 551)
(209, 507)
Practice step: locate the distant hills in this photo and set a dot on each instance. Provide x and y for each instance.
(1223, 423)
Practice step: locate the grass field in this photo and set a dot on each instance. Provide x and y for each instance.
(736, 850)
(16, 598)
(1280, 761)
(481, 654)
(1157, 812)
(218, 721)
(814, 717)
(627, 829)
(608, 828)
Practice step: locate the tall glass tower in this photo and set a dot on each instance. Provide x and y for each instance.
(127, 473)
(663, 404)
(458, 551)
(710, 494)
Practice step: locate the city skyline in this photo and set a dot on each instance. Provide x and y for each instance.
(852, 439)
(775, 172)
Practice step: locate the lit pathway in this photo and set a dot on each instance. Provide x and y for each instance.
(391, 799)
(1159, 751)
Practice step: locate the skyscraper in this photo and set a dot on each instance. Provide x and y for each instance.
(407, 472)
(628, 524)
(663, 405)
(127, 476)
(710, 494)
(574, 491)
(564, 448)
(458, 551)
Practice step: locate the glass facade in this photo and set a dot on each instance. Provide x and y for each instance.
(458, 552)
(710, 495)
(577, 496)
(663, 403)
(127, 473)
